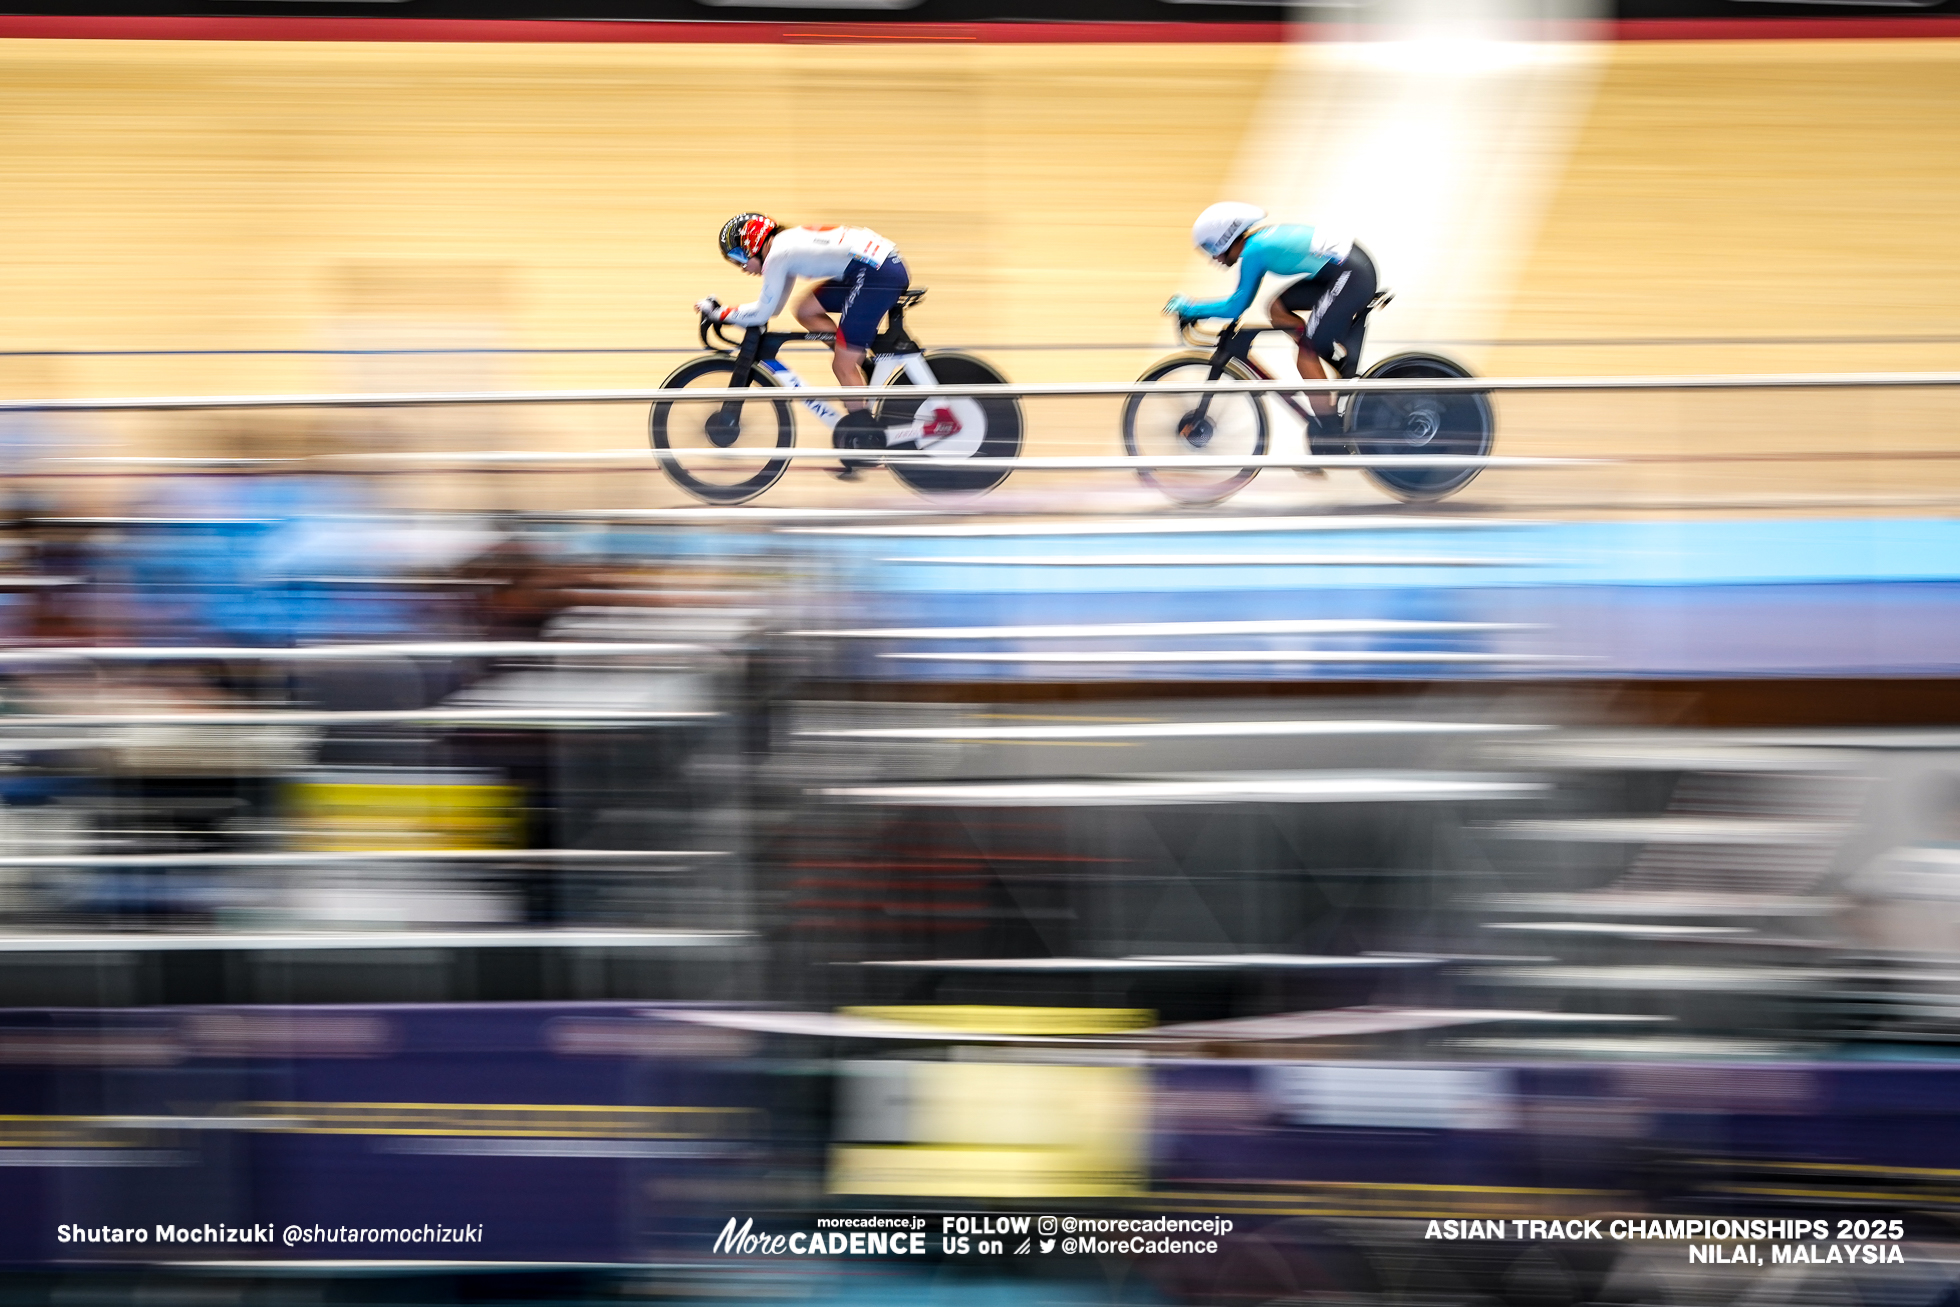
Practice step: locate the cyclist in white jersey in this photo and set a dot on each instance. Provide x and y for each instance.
(860, 272)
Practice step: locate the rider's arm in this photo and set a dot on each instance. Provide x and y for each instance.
(1252, 269)
(777, 279)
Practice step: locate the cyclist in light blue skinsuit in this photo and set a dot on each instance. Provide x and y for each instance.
(1334, 280)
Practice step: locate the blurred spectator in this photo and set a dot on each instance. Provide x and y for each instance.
(279, 552)
(48, 585)
(514, 588)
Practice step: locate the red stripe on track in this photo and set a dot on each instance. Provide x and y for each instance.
(507, 31)
(1786, 29)
(549, 31)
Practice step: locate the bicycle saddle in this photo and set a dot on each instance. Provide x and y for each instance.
(907, 298)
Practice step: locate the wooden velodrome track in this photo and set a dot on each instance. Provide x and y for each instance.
(208, 195)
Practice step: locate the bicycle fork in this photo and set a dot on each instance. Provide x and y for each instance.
(1196, 426)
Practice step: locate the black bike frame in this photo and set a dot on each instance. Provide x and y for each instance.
(759, 345)
(1236, 342)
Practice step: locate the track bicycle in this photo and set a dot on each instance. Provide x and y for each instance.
(1374, 424)
(692, 440)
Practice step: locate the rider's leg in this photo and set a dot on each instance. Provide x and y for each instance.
(1291, 310)
(1295, 326)
(1326, 306)
(813, 312)
(846, 363)
(809, 310)
(863, 296)
(1312, 368)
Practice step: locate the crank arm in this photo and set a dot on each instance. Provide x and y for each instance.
(912, 433)
(923, 433)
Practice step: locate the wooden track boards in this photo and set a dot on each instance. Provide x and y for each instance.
(251, 196)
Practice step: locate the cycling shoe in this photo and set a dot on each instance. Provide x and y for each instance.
(859, 429)
(1324, 436)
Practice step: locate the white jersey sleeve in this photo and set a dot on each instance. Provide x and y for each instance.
(819, 253)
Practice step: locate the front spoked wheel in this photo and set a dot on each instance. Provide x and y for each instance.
(688, 438)
(1166, 423)
(957, 428)
(1387, 425)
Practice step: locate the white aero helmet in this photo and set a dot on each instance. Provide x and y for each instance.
(1221, 224)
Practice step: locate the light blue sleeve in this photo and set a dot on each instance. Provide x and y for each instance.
(1252, 270)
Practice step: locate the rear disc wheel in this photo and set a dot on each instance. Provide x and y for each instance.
(959, 427)
(1385, 425)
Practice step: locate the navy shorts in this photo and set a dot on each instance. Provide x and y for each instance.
(862, 297)
(1331, 299)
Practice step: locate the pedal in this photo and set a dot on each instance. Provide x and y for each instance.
(1320, 441)
(858, 429)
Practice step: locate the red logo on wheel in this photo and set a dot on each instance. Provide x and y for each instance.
(941, 425)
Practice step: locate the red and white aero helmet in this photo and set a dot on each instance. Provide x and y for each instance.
(743, 235)
(1221, 224)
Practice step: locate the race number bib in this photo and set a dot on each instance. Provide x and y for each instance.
(861, 243)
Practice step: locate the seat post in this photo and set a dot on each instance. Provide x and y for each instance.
(1350, 363)
(894, 339)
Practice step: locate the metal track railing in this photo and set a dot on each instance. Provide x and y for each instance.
(479, 459)
(1023, 390)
